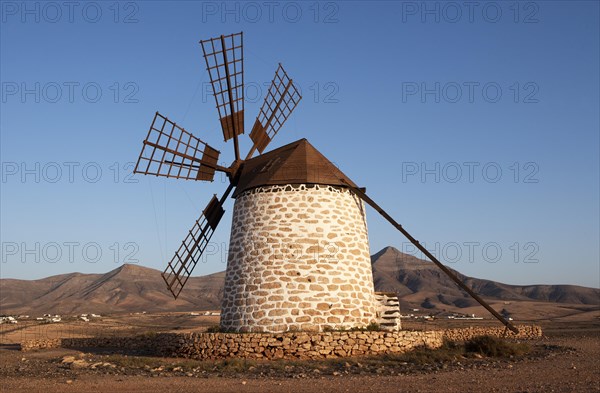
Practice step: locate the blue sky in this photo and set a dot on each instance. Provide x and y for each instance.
(477, 129)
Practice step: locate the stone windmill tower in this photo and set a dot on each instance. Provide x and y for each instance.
(299, 250)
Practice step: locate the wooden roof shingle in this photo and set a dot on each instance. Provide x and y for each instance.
(296, 163)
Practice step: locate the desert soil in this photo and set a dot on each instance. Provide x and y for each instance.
(567, 360)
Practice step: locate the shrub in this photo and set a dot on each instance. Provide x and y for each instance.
(495, 347)
(149, 334)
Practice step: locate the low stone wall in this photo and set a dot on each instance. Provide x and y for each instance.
(29, 345)
(526, 332)
(299, 345)
(151, 344)
(306, 345)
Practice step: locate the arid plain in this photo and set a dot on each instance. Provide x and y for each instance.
(565, 359)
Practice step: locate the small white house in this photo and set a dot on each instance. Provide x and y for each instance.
(7, 320)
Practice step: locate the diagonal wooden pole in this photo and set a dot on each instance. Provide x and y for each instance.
(433, 259)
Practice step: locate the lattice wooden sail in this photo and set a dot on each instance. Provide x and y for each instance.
(171, 151)
(185, 259)
(224, 57)
(282, 98)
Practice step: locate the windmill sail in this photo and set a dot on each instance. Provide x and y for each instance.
(282, 98)
(171, 151)
(224, 57)
(189, 253)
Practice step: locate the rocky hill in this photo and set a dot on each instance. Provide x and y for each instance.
(129, 288)
(421, 283)
(134, 288)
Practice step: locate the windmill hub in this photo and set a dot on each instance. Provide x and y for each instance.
(235, 170)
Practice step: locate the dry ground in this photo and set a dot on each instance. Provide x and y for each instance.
(565, 361)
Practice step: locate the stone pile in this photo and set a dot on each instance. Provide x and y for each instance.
(388, 310)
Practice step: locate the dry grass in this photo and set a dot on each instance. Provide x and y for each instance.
(496, 347)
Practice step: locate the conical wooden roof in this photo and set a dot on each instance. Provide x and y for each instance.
(296, 163)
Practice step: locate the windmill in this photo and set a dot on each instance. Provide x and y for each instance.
(299, 252)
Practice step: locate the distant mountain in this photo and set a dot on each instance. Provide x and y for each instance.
(125, 289)
(133, 288)
(421, 283)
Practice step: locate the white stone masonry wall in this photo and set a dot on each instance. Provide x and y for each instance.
(298, 260)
